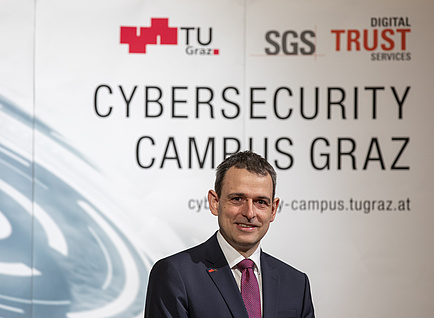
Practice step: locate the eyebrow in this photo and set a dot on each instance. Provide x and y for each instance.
(264, 198)
(232, 195)
(261, 197)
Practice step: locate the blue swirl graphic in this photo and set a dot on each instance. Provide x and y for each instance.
(61, 255)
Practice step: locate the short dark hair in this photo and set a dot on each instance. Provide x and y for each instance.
(248, 160)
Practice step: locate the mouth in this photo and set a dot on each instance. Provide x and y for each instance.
(246, 226)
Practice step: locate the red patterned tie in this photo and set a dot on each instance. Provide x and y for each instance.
(250, 289)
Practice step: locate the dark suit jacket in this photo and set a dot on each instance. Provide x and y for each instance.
(199, 283)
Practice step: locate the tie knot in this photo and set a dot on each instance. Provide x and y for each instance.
(244, 264)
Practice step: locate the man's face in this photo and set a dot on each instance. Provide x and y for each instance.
(245, 208)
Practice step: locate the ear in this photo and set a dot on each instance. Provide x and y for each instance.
(213, 201)
(274, 208)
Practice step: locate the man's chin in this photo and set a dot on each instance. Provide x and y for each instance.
(246, 243)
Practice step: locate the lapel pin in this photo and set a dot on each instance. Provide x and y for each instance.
(212, 270)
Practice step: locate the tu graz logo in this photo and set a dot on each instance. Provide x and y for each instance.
(196, 40)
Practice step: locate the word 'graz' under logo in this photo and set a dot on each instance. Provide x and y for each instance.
(160, 33)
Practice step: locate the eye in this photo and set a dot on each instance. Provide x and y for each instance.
(261, 203)
(237, 200)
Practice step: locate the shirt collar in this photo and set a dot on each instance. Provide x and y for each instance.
(233, 257)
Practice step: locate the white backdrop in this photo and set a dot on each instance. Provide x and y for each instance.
(108, 146)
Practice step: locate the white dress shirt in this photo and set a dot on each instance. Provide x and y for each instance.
(233, 257)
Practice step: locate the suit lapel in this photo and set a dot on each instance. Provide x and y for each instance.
(270, 287)
(220, 273)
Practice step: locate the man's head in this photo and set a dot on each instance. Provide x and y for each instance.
(248, 160)
(243, 200)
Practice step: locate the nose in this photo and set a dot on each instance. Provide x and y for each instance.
(249, 210)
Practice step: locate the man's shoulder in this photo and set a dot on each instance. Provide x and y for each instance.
(193, 254)
(280, 265)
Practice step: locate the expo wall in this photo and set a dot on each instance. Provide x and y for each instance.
(114, 115)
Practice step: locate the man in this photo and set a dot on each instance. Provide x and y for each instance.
(207, 281)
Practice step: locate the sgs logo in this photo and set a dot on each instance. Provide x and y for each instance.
(290, 42)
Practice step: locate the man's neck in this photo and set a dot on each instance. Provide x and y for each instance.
(245, 253)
